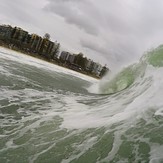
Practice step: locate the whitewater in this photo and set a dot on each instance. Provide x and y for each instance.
(49, 114)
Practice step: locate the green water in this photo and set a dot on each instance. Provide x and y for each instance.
(48, 116)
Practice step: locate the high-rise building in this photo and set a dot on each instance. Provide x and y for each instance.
(19, 34)
(71, 58)
(35, 42)
(64, 56)
(50, 49)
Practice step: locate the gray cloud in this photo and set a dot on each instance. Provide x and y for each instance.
(15, 10)
(94, 46)
(79, 13)
(115, 30)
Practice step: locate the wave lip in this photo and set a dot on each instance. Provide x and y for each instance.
(155, 57)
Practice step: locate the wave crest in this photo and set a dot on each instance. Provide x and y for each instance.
(129, 75)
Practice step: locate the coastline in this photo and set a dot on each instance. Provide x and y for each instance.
(17, 39)
(53, 62)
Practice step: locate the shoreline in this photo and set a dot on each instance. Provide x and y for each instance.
(54, 62)
(43, 48)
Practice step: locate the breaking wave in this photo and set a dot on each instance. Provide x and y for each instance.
(130, 75)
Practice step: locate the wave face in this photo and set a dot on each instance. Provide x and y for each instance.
(51, 114)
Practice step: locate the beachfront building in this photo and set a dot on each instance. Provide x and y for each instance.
(35, 42)
(55, 50)
(19, 35)
(89, 65)
(71, 58)
(64, 56)
(49, 51)
(44, 47)
(97, 69)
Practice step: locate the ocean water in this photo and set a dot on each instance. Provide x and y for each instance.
(49, 114)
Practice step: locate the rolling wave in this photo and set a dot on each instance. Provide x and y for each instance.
(130, 75)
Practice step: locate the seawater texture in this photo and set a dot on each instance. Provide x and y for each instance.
(49, 114)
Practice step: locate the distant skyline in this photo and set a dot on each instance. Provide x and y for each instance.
(115, 32)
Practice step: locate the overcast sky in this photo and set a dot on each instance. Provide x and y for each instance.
(115, 32)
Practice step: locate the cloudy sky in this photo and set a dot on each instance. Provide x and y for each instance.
(115, 32)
